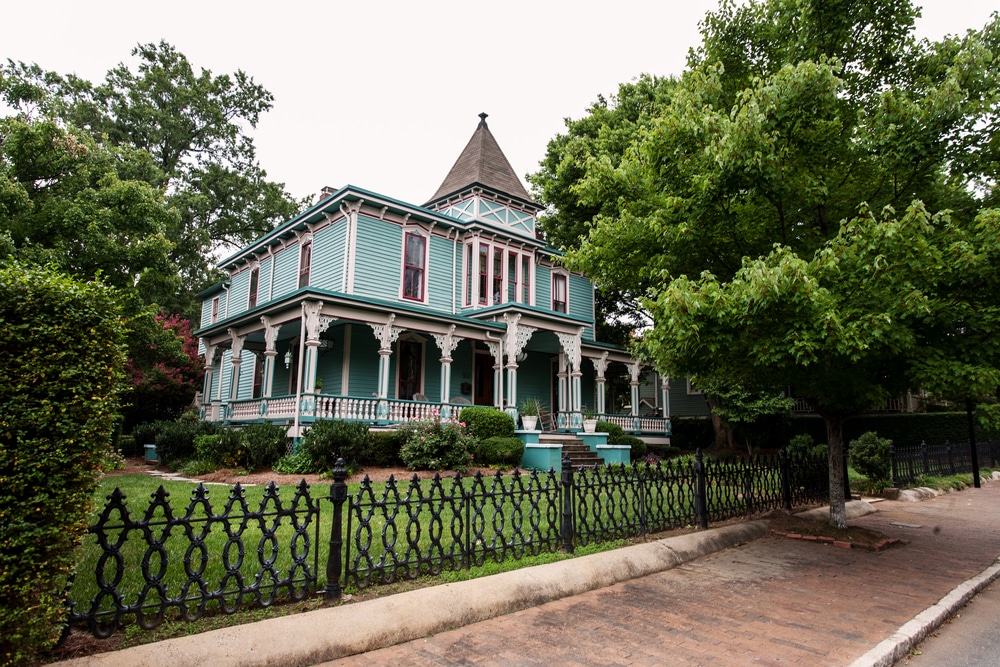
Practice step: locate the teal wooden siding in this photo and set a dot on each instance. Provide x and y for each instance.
(543, 287)
(328, 258)
(683, 403)
(264, 283)
(286, 267)
(239, 289)
(439, 274)
(581, 301)
(226, 375)
(461, 369)
(331, 362)
(363, 378)
(378, 266)
(246, 374)
(534, 379)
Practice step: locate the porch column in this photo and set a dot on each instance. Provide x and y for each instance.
(562, 375)
(571, 345)
(386, 335)
(314, 326)
(446, 343)
(665, 395)
(496, 349)
(601, 366)
(634, 384)
(206, 395)
(234, 386)
(515, 339)
(270, 352)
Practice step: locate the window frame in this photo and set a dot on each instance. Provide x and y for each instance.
(253, 288)
(216, 305)
(422, 269)
(305, 262)
(560, 277)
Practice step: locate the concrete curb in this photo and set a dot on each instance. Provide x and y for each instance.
(337, 632)
(912, 633)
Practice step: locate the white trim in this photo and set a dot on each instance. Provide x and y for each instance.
(552, 289)
(345, 369)
(691, 389)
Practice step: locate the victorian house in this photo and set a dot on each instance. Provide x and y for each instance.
(369, 308)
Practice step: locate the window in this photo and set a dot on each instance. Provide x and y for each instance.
(215, 310)
(483, 274)
(497, 275)
(254, 280)
(526, 279)
(305, 262)
(559, 293)
(512, 277)
(468, 275)
(414, 257)
(692, 389)
(258, 375)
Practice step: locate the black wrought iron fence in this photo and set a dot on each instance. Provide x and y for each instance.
(912, 462)
(233, 555)
(403, 530)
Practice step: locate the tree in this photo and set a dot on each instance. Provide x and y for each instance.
(888, 303)
(192, 125)
(61, 351)
(66, 200)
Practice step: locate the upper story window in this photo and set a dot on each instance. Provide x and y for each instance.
(305, 263)
(215, 310)
(414, 261)
(560, 296)
(526, 279)
(484, 275)
(496, 274)
(254, 282)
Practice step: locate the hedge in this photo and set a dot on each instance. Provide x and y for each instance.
(484, 422)
(62, 357)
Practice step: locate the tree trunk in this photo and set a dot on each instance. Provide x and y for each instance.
(725, 438)
(835, 447)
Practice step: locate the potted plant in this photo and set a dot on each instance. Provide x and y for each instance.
(530, 408)
(589, 421)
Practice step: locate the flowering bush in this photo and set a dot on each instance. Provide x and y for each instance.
(437, 444)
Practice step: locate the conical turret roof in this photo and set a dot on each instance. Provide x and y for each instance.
(482, 163)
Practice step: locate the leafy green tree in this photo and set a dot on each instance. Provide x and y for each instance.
(888, 303)
(61, 354)
(193, 127)
(65, 200)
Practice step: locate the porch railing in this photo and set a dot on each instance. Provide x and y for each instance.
(387, 411)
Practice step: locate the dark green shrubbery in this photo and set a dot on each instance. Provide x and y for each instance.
(484, 422)
(61, 358)
(869, 455)
(385, 448)
(175, 441)
(638, 445)
(803, 445)
(614, 431)
(264, 443)
(499, 452)
(330, 439)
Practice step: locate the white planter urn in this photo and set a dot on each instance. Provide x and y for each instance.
(529, 422)
(589, 425)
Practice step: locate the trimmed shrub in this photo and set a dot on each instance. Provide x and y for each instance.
(484, 422)
(638, 445)
(384, 448)
(330, 439)
(176, 439)
(499, 452)
(437, 444)
(614, 431)
(129, 448)
(296, 463)
(869, 455)
(264, 443)
(62, 360)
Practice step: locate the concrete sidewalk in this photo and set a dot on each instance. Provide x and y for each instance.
(727, 596)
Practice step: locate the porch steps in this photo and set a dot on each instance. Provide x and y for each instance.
(579, 454)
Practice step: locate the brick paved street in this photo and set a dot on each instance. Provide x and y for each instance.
(774, 601)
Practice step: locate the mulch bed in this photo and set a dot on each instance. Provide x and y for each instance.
(821, 532)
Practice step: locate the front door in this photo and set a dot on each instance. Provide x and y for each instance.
(482, 382)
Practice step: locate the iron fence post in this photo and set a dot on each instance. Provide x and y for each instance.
(700, 492)
(923, 457)
(972, 444)
(786, 481)
(334, 562)
(566, 525)
(892, 462)
(951, 459)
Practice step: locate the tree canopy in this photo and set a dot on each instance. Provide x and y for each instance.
(792, 118)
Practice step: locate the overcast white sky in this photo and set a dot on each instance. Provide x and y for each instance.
(384, 95)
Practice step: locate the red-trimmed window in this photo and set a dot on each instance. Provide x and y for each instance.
(497, 275)
(215, 310)
(305, 262)
(254, 281)
(414, 259)
(484, 269)
(468, 274)
(559, 296)
(526, 279)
